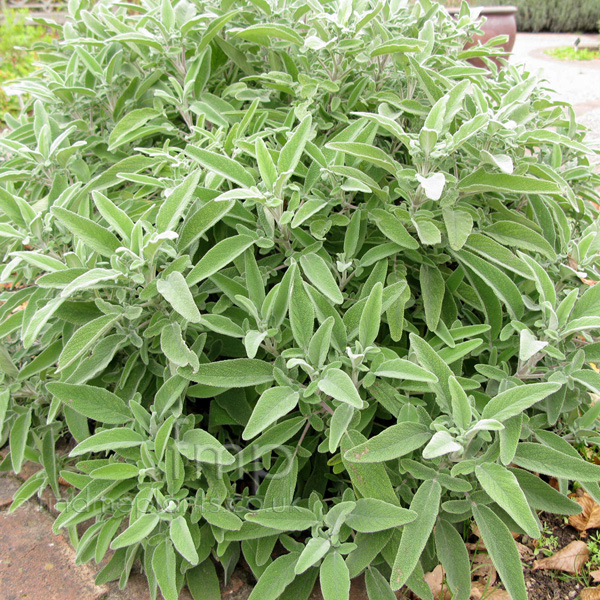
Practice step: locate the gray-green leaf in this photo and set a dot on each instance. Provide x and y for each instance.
(426, 503)
(176, 292)
(339, 386)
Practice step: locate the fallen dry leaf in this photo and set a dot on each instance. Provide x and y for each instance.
(475, 531)
(570, 559)
(524, 551)
(573, 264)
(479, 590)
(435, 581)
(589, 518)
(479, 546)
(590, 594)
(595, 575)
(483, 567)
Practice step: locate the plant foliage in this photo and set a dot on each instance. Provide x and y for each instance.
(575, 16)
(17, 43)
(572, 53)
(295, 282)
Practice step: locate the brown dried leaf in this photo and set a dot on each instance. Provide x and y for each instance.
(483, 567)
(479, 546)
(595, 575)
(589, 518)
(572, 263)
(570, 559)
(479, 590)
(590, 594)
(435, 581)
(524, 551)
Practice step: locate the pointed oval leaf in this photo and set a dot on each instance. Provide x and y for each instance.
(339, 386)
(182, 540)
(221, 165)
(318, 273)
(371, 515)
(233, 373)
(292, 518)
(515, 400)
(136, 532)
(502, 550)
(201, 446)
(218, 257)
(272, 404)
(426, 504)
(92, 402)
(97, 238)
(176, 292)
(111, 439)
(502, 487)
(391, 443)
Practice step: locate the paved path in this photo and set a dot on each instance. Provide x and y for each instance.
(577, 82)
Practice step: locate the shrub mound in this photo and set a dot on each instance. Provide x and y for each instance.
(294, 282)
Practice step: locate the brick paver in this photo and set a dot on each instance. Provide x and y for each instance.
(36, 564)
(8, 486)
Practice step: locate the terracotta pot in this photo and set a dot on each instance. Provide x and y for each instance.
(499, 20)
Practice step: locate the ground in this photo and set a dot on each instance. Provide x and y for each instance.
(575, 82)
(37, 565)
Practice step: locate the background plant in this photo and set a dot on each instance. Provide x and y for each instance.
(552, 15)
(571, 53)
(295, 282)
(17, 54)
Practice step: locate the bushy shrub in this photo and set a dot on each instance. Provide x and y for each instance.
(17, 42)
(295, 282)
(553, 15)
